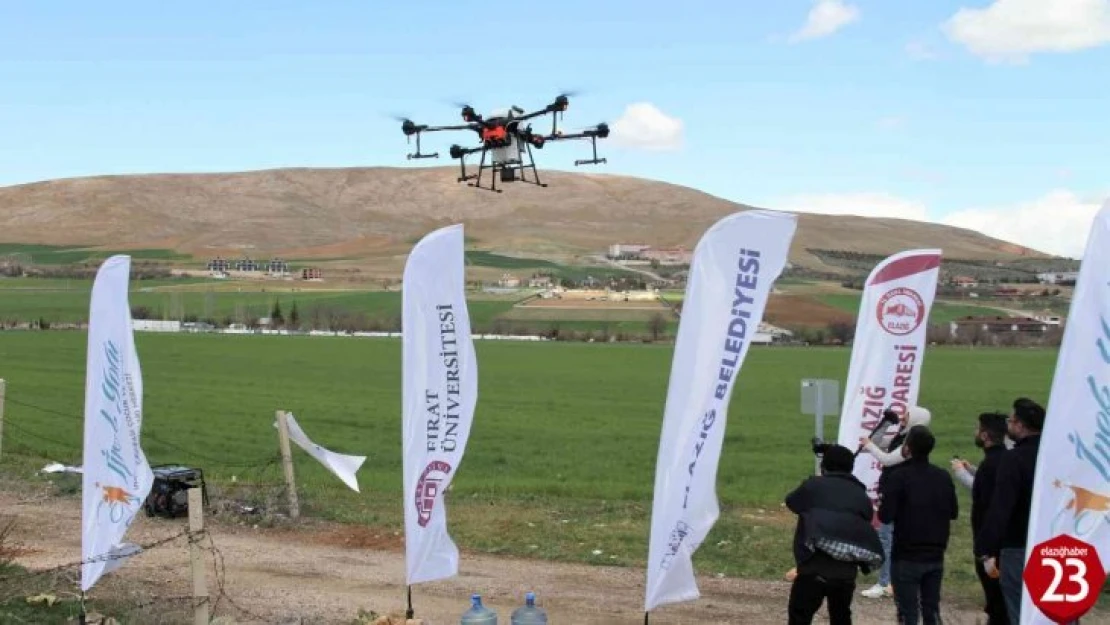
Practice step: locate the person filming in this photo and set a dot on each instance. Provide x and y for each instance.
(833, 540)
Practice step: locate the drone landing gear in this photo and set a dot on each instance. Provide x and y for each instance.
(505, 170)
(591, 161)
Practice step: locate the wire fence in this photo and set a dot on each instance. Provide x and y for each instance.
(164, 597)
(157, 589)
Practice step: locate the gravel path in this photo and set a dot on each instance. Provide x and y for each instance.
(324, 573)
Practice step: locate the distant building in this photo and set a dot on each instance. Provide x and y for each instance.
(219, 265)
(968, 326)
(278, 267)
(664, 256)
(675, 256)
(625, 250)
(1061, 278)
(312, 273)
(539, 282)
(246, 264)
(508, 281)
(964, 282)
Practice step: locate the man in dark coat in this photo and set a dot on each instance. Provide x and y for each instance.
(1000, 542)
(990, 436)
(833, 540)
(920, 500)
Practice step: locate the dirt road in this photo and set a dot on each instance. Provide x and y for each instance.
(314, 573)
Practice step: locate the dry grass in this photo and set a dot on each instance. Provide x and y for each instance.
(368, 218)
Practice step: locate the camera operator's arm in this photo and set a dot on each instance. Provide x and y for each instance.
(798, 501)
(881, 436)
(886, 458)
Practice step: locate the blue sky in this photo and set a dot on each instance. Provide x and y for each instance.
(993, 118)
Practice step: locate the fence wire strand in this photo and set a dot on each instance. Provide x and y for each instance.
(14, 586)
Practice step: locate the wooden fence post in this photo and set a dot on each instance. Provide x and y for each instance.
(3, 391)
(287, 464)
(200, 577)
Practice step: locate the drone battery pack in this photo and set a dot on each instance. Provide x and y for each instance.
(508, 174)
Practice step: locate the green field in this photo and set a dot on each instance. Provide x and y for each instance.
(70, 255)
(561, 456)
(489, 259)
(67, 301)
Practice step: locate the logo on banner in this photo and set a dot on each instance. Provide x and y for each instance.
(118, 501)
(900, 311)
(678, 534)
(1083, 513)
(427, 489)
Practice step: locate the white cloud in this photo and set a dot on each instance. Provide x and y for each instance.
(1009, 30)
(825, 18)
(861, 204)
(1056, 223)
(645, 127)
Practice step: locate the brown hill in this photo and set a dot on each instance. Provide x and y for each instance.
(377, 213)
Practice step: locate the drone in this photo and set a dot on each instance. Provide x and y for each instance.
(506, 142)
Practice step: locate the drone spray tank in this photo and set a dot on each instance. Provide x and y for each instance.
(508, 148)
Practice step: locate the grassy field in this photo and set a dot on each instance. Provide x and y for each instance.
(67, 301)
(68, 255)
(562, 453)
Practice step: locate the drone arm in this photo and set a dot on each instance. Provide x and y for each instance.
(458, 127)
(409, 128)
(601, 132)
(460, 152)
(532, 115)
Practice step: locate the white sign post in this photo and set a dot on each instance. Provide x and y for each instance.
(819, 398)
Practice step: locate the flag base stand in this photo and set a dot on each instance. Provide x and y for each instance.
(81, 618)
(408, 611)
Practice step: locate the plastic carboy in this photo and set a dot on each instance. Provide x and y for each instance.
(529, 613)
(478, 614)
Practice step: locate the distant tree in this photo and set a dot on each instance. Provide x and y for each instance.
(842, 331)
(275, 315)
(294, 315)
(657, 324)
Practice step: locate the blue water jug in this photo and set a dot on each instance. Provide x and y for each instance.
(478, 614)
(529, 614)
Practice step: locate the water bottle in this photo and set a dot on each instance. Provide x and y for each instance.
(478, 614)
(529, 614)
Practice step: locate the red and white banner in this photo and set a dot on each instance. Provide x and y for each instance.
(887, 351)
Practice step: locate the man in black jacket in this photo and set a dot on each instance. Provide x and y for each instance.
(833, 540)
(919, 498)
(991, 438)
(1000, 542)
